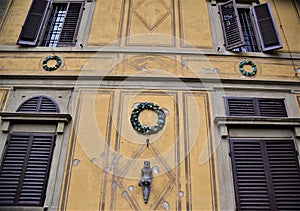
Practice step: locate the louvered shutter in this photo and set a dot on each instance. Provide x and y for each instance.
(271, 107)
(239, 107)
(264, 107)
(285, 173)
(267, 30)
(71, 25)
(266, 174)
(25, 169)
(39, 104)
(33, 23)
(232, 32)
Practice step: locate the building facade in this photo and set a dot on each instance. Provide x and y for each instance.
(208, 91)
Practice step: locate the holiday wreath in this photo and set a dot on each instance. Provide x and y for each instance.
(56, 66)
(247, 62)
(143, 129)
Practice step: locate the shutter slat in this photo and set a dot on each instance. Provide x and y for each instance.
(33, 23)
(231, 26)
(267, 30)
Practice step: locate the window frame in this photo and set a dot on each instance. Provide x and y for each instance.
(80, 37)
(258, 31)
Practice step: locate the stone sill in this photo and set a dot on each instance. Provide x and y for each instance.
(223, 122)
(34, 118)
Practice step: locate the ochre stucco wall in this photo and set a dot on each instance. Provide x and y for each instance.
(110, 153)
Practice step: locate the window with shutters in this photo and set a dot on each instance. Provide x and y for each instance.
(261, 107)
(25, 168)
(52, 25)
(266, 174)
(248, 27)
(39, 104)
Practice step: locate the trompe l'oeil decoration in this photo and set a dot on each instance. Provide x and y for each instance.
(51, 68)
(143, 129)
(243, 71)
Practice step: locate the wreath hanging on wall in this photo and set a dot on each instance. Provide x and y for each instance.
(51, 68)
(243, 71)
(143, 129)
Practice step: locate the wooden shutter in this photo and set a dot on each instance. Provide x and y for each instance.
(264, 107)
(33, 23)
(267, 30)
(232, 33)
(39, 104)
(70, 28)
(25, 169)
(266, 174)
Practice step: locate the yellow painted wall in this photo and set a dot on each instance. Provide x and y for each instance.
(110, 153)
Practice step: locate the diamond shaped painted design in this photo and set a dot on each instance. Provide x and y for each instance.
(151, 13)
(169, 176)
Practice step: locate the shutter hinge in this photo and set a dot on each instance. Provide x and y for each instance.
(229, 154)
(297, 152)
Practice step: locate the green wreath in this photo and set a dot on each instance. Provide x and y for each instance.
(247, 62)
(143, 129)
(56, 66)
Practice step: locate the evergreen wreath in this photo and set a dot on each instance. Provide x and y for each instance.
(247, 62)
(143, 129)
(56, 66)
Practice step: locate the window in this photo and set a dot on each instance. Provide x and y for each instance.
(25, 168)
(263, 107)
(266, 174)
(31, 151)
(61, 25)
(248, 28)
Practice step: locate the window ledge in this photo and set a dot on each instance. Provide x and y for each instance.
(34, 118)
(224, 121)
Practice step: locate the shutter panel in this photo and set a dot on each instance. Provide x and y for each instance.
(264, 107)
(39, 104)
(267, 30)
(25, 169)
(285, 173)
(232, 33)
(271, 107)
(33, 23)
(249, 175)
(239, 107)
(266, 174)
(71, 25)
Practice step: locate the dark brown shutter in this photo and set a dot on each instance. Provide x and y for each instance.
(239, 107)
(70, 28)
(25, 169)
(266, 174)
(39, 104)
(267, 30)
(33, 23)
(285, 173)
(269, 107)
(233, 36)
(264, 107)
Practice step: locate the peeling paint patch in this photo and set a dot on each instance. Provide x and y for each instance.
(124, 194)
(181, 193)
(131, 188)
(155, 170)
(75, 162)
(165, 205)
